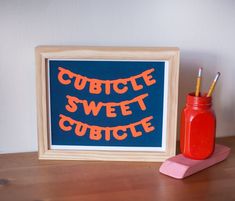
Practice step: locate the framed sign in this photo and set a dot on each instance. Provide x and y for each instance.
(103, 103)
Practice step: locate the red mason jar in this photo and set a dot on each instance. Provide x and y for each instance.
(197, 130)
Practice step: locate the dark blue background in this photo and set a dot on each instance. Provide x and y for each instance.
(107, 70)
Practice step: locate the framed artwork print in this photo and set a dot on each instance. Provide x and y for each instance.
(107, 103)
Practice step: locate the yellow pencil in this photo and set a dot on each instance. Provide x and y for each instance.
(198, 85)
(212, 87)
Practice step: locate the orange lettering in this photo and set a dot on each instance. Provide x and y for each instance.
(107, 133)
(116, 87)
(72, 103)
(147, 78)
(110, 110)
(61, 76)
(125, 108)
(118, 136)
(147, 125)
(107, 87)
(66, 123)
(95, 133)
(80, 129)
(134, 132)
(95, 86)
(80, 82)
(135, 86)
(62, 121)
(92, 107)
(140, 100)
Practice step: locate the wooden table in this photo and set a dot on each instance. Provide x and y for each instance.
(24, 177)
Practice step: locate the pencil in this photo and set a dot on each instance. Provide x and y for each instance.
(212, 87)
(198, 84)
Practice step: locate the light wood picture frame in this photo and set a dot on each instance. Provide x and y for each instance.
(60, 71)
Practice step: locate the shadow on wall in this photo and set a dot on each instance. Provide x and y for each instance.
(190, 61)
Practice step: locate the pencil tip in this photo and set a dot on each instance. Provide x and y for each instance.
(200, 72)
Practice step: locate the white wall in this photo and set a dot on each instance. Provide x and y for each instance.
(204, 30)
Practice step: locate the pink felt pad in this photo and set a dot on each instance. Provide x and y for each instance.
(180, 167)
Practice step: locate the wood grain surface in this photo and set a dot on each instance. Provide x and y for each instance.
(24, 177)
